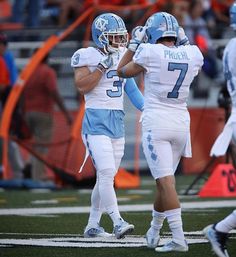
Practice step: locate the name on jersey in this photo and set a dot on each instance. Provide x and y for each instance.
(168, 54)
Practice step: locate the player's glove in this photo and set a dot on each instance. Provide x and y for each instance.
(137, 37)
(105, 63)
(182, 39)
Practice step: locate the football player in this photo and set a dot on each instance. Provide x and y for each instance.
(217, 234)
(169, 65)
(222, 142)
(103, 124)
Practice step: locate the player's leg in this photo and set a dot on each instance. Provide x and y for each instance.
(122, 228)
(166, 185)
(102, 151)
(158, 215)
(158, 151)
(93, 228)
(217, 234)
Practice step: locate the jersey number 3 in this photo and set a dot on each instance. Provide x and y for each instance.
(183, 68)
(117, 84)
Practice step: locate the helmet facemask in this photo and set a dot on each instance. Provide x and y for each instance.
(113, 41)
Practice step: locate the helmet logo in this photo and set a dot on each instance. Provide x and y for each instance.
(149, 22)
(100, 24)
(163, 27)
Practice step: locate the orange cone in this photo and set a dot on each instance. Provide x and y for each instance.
(125, 179)
(221, 183)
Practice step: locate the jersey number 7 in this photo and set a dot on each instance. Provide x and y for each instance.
(183, 67)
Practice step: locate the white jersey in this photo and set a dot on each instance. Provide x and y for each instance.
(169, 73)
(109, 92)
(229, 66)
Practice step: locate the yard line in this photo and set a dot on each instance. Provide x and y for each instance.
(80, 242)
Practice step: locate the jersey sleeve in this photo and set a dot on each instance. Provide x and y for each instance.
(140, 57)
(81, 58)
(198, 59)
(134, 93)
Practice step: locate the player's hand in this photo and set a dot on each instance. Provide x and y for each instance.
(137, 37)
(105, 63)
(182, 39)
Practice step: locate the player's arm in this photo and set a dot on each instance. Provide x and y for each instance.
(127, 68)
(134, 94)
(182, 39)
(85, 80)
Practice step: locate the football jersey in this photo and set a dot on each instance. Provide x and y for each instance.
(229, 67)
(169, 72)
(104, 113)
(109, 92)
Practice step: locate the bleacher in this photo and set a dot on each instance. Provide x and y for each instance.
(23, 41)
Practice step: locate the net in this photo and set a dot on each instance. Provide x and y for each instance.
(64, 152)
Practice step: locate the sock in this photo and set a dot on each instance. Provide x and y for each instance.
(157, 221)
(94, 218)
(176, 226)
(96, 208)
(108, 195)
(114, 214)
(227, 224)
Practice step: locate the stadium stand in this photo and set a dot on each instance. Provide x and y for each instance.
(24, 40)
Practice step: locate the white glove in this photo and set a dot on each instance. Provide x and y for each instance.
(105, 63)
(182, 39)
(137, 37)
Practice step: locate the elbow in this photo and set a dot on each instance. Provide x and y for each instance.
(122, 72)
(81, 91)
(119, 72)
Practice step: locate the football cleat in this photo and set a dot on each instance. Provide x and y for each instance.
(123, 229)
(96, 232)
(152, 239)
(172, 247)
(217, 240)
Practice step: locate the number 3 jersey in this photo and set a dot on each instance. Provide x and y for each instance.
(104, 104)
(109, 93)
(169, 72)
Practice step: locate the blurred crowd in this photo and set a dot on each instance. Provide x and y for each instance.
(203, 21)
(202, 14)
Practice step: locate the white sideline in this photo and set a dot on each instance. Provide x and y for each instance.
(123, 208)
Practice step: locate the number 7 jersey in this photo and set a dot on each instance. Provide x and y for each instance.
(169, 72)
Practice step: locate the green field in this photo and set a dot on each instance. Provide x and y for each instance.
(50, 223)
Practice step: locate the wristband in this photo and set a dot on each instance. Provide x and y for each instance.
(101, 68)
(133, 45)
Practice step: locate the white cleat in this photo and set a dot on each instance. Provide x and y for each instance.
(96, 232)
(152, 239)
(217, 240)
(172, 247)
(123, 229)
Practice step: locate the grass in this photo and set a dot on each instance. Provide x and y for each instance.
(72, 224)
